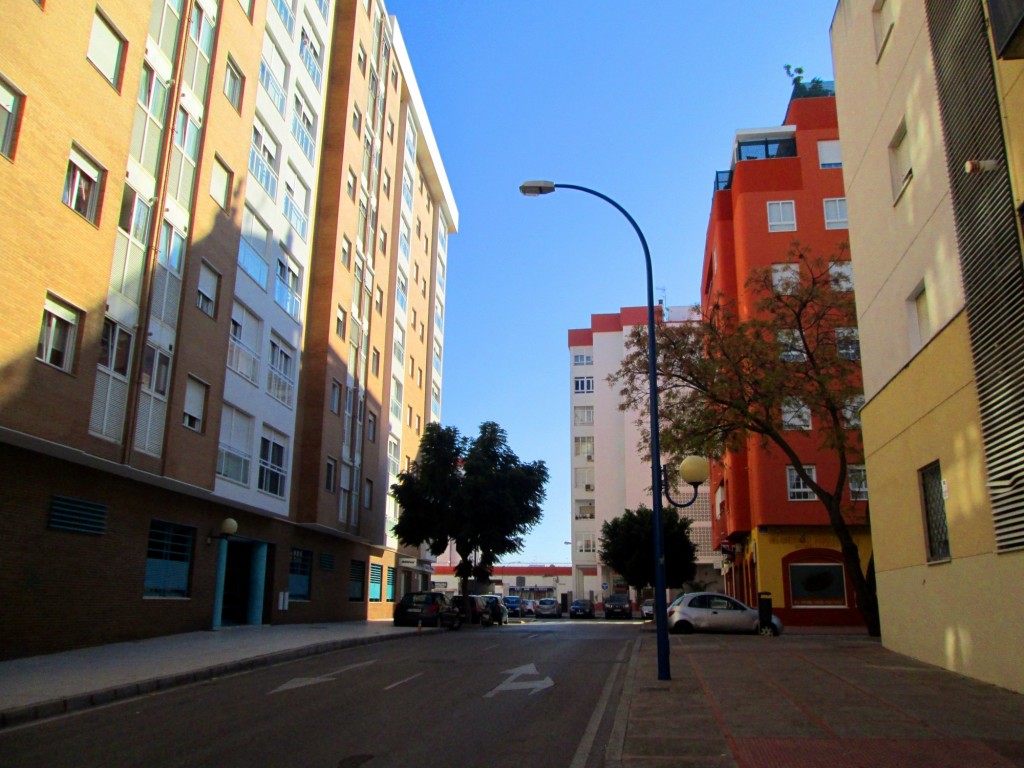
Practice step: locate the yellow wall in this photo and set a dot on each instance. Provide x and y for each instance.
(775, 544)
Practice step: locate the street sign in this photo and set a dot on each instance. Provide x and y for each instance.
(604, 586)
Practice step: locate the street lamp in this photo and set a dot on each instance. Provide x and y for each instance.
(533, 189)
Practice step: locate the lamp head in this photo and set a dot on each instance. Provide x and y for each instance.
(534, 188)
(694, 469)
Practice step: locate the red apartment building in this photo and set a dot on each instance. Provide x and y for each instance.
(785, 185)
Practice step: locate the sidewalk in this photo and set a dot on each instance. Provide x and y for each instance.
(44, 686)
(807, 700)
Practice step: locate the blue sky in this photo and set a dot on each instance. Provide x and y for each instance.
(639, 100)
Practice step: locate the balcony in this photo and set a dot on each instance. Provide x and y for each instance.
(765, 149)
(272, 87)
(252, 263)
(723, 180)
(287, 299)
(295, 216)
(243, 360)
(324, 6)
(303, 137)
(312, 65)
(285, 12)
(263, 173)
(279, 386)
(813, 89)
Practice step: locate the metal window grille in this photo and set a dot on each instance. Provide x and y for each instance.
(77, 515)
(935, 513)
(168, 560)
(356, 580)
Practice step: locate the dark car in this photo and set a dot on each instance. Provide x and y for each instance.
(474, 609)
(618, 607)
(513, 605)
(499, 612)
(428, 609)
(583, 609)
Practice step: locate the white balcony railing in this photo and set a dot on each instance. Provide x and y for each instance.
(250, 260)
(287, 299)
(286, 15)
(303, 137)
(279, 386)
(243, 360)
(262, 171)
(273, 88)
(312, 65)
(295, 216)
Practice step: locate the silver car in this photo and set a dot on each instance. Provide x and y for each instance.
(713, 612)
(548, 606)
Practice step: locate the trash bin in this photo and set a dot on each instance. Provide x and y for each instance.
(764, 609)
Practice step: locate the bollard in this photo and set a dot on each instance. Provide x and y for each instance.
(764, 611)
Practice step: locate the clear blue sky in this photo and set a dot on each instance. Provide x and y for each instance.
(638, 100)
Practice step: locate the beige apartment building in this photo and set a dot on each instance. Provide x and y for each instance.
(224, 230)
(930, 113)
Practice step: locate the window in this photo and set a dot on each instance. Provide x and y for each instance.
(273, 452)
(168, 560)
(147, 133)
(583, 415)
(221, 182)
(848, 343)
(281, 372)
(357, 121)
(933, 492)
(785, 278)
(346, 252)
(198, 52)
(115, 348)
(361, 59)
(245, 339)
(391, 129)
(799, 490)
(58, 334)
(195, 404)
(234, 454)
(110, 395)
(840, 275)
(106, 50)
(288, 287)
(582, 359)
(583, 447)
(900, 167)
(396, 399)
(181, 172)
(830, 154)
(387, 185)
(356, 580)
(920, 318)
(376, 581)
(583, 384)
(375, 362)
(335, 396)
(350, 185)
(817, 585)
(371, 427)
(340, 323)
(206, 294)
(796, 414)
(584, 510)
(300, 566)
(330, 474)
(782, 216)
(378, 300)
(835, 213)
(583, 477)
(234, 84)
(82, 185)
(10, 116)
(881, 19)
(152, 408)
(587, 543)
(858, 482)
(368, 493)
(791, 347)
(383, 241)
(164, 23)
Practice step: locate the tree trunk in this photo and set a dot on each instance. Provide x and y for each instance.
(863, 587)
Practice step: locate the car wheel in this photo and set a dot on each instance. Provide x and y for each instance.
(456, 623)
(682, 628)
(768, 631)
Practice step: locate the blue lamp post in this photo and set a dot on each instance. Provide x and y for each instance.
(532, 189)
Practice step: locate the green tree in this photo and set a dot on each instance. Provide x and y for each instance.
(474, 493)
(627, 545)
(725, 380)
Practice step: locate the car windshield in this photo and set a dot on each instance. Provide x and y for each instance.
(548, 601)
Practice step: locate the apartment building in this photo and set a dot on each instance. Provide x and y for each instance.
(929, 101)
(609, 474)
(784, 186)
(201, 338)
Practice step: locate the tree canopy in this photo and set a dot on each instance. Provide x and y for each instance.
(725, 379)
(627, 545)
(474, 493)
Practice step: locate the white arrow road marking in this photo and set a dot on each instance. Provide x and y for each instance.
(513, 684)
(301, 682)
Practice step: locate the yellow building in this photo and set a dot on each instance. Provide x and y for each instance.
(930, 137)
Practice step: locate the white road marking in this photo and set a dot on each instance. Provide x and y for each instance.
(302, 682)
(579, 760)
(395, 685)
(514, 684)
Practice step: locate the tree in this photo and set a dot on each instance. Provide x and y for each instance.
(627, 545)
(724, 379)
(477, 494)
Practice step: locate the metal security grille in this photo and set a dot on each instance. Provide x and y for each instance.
(326, 562)
(168, 558)
(356, 580)
(935, 512)
(376, 580)
(990, 250)
(78, 515)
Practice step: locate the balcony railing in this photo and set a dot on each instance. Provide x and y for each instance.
(312, 66)
(250, 260)
(286, 15)
(324, 6)
(295, 216)
(303, 137)
(264, 174)
(272, 87)
(766, 149)
(243, 360)
(287, 299)
(813, 88)
(279, 386)
(723, 180)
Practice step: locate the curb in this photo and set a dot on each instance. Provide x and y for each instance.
(78, 702)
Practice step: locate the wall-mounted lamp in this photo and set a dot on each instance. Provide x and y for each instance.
(980, 166)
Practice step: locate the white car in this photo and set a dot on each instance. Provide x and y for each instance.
(713, 612)
(647, 608)
(548, 606)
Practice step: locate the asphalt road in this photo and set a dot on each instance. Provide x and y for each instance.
(541, 694)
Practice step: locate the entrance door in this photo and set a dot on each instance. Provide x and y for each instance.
(236, 583)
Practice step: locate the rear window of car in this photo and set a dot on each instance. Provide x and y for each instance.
(548, 601)
(618, 599)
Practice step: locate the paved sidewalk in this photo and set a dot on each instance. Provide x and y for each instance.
(807, 701)
(43, 686)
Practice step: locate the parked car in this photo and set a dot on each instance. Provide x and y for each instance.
(548, 606)
(529, 607)
(431, 609)
(581, 608)
(713, 612)
(647, 608)
(618, 607)
(496, 605)
(475, 609)
(513, 604)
